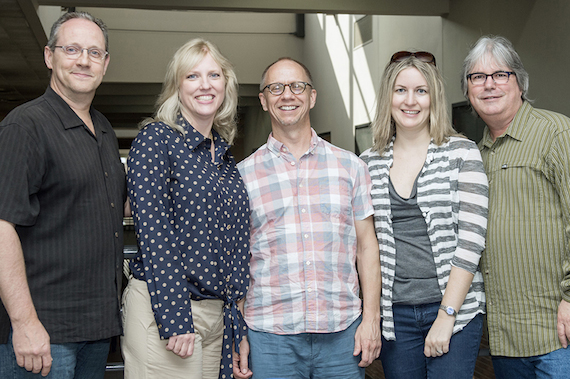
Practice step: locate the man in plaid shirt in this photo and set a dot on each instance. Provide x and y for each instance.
(311, 226)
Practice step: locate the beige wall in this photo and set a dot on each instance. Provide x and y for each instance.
(539, 30)
(346, 78)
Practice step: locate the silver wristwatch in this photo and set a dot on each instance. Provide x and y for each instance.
(449, 310)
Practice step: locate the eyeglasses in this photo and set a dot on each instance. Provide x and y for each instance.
(296, 88)
(74, 52)
(499, 77)
(423, 56)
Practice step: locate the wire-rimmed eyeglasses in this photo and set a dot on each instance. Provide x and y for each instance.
(296, 88)
(74, 51)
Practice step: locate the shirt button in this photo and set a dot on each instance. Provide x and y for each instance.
(117, 234)
(112, 205)
(309, 289)
(106, 174)
(304, 210)
(306, 236)
(308, 263)
(292, 163)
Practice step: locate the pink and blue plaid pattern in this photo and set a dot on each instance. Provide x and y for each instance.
(303, 239)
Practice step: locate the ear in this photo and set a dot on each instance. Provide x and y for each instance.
(263, 101)
(106, 63)
(48, 56)
(313, 97)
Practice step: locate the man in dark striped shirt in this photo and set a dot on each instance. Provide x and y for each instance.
(62, 196)
(526, 264)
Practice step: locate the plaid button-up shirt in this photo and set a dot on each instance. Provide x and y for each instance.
(303, 237)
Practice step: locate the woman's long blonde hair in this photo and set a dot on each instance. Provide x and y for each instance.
(184, 60)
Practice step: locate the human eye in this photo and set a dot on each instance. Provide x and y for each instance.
(191, 76)
(276, 87)
(95, 53)
(400, 90)
(297, 85)
(72, 49)
(478, 77)
(500, 75)
(422, 91)
(215, 75)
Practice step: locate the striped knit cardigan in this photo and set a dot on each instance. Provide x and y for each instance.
(452, 193)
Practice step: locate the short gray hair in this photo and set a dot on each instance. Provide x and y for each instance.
(54, 34)
(501, 50)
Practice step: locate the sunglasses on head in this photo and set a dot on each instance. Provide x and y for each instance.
(423, 56)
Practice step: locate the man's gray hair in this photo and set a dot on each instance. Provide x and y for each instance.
(69, 16)
(501, 51)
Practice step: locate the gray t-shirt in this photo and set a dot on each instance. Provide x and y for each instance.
(415, 280)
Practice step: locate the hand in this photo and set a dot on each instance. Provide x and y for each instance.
(563, 325)
(439, 335)
(368, 341)
(182, 345)
(32, 347)
(240, 364)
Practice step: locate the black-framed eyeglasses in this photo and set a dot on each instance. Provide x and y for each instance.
(74, 51)
(423, 56)
(499, 77)
(296, 88)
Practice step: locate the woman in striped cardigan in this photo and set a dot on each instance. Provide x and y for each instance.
(430, 197)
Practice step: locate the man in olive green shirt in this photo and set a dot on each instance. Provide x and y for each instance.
(526, 265)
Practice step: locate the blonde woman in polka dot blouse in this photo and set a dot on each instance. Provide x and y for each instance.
(191, 213)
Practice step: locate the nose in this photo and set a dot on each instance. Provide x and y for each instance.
(489, 82)
(410, 98)
(83, 58)
(287, 93)
(205, 82)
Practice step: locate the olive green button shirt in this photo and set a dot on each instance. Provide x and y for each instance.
(526, 264)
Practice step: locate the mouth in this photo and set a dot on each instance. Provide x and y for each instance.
(205, 98)
(491, 97)
(82, 74)
(288, 107)
(411, 112)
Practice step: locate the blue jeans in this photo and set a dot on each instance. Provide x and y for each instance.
(305, 356)
(554, 365)
(79, 360)
(404, 357)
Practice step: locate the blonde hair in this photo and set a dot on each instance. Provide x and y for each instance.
(383, 126)
(169, 105)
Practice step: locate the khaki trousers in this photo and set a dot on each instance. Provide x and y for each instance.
(145, 353)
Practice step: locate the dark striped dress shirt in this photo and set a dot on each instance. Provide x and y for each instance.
(64, 189)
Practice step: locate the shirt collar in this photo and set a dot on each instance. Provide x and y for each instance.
(194, 138)
(69, 119)
(278, 147)
(517, 128)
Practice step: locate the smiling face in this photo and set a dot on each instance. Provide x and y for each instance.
(288, 109)
(76, 78)
(411, 101)
(202, 92)
(496, 104)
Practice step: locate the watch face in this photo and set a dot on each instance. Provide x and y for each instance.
(449, 310)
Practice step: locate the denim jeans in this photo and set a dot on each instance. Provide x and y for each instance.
(404, 357)
(305, 355)
(554, 365)
(80, 360)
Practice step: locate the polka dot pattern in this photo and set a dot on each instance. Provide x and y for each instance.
(192, 224)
